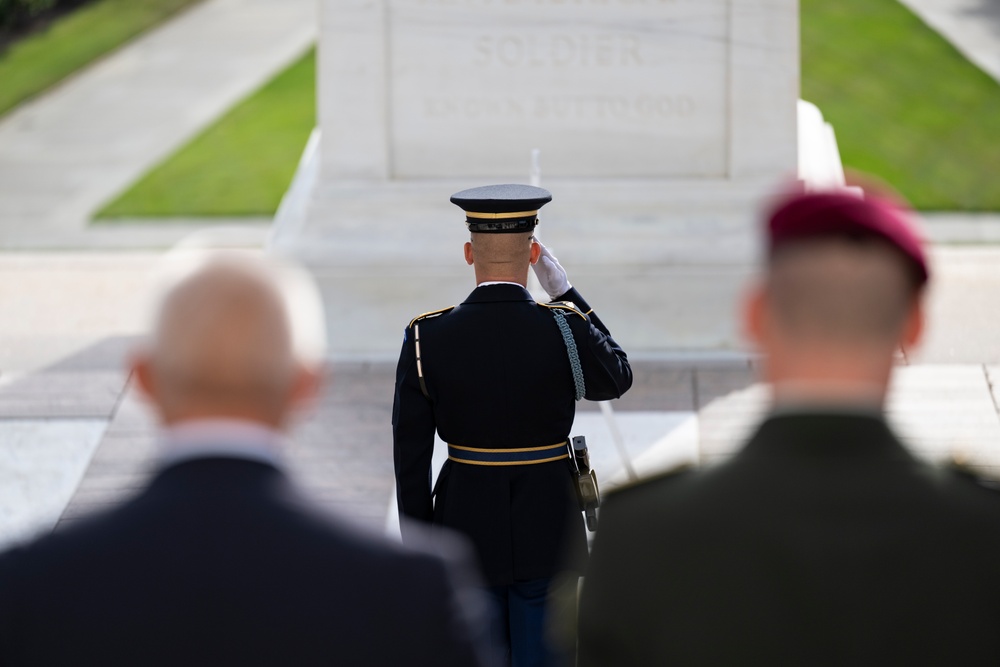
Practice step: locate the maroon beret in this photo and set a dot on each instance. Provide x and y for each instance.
(805, 216)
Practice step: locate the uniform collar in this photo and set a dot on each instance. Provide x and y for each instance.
(499, 292)
(490, 283)
(825, 433)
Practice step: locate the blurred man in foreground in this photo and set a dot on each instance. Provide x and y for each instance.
(824, 541)
(219, 561)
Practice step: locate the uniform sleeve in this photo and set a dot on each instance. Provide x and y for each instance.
(412, 438)
(606, 371)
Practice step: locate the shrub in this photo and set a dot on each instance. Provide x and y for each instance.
(18, 15)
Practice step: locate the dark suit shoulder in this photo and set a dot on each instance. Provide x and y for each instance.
(67, 553)
(430, 315)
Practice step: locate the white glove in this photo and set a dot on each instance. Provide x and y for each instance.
(550, 273)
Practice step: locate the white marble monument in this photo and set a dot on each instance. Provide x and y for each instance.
(661, 125)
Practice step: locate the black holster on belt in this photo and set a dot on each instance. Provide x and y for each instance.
(585, 482)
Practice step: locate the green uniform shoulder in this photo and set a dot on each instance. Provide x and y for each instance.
(973, 475)
(636, 487)
(563, 305)
(429, 315)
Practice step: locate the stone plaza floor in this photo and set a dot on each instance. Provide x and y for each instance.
(83, 440)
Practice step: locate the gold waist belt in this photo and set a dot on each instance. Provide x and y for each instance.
(507, 457)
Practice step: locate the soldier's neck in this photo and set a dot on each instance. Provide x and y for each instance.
(483, 276)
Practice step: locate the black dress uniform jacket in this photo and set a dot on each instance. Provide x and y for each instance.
(498, 376)
(219, 562)
(824, 542)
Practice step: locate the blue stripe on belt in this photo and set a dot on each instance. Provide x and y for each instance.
(507, 457)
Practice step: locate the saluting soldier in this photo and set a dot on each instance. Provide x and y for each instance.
(498, 378)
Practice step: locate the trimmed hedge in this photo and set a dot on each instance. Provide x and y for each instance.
(16, 15)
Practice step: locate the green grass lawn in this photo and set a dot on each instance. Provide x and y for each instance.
(40, 60)
(905, 105)
(241, 165)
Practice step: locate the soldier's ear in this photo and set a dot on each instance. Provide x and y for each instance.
(306, 386)
(913, 328)
(469, 257)
(142, 372)
(755, 315)
(536, 252)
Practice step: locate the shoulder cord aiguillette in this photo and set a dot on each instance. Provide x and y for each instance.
(420, 365)
(574, 354)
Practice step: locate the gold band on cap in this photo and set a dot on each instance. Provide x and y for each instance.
(501, 216)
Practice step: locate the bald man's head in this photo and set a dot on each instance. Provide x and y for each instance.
(222, 345)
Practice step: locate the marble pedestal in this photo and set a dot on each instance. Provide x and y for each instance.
(664, 263)
(662, 124)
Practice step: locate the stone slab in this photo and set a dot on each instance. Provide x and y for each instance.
(92, 394)
(76, 295)
(417, 89)
(675, 449)
(640, 431)
(139, 234)
(961, 228)
(107, 354)
(41, 464)
(121, 465)
(947, 412)
(593, 86)
(656, 386)
(941, 413)
(86, 383)
(962, 317)
(341, 451)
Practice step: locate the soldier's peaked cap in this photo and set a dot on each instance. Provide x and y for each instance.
(502, 209)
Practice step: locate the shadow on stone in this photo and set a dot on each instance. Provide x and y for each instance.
(87, 384)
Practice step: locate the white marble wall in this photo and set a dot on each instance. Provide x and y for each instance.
(608, 89)
(413, 89)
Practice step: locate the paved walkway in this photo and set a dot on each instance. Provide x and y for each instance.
(66, 153)
(679, 411)
(972, 26)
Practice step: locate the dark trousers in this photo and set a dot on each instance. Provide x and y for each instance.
(518, 629)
